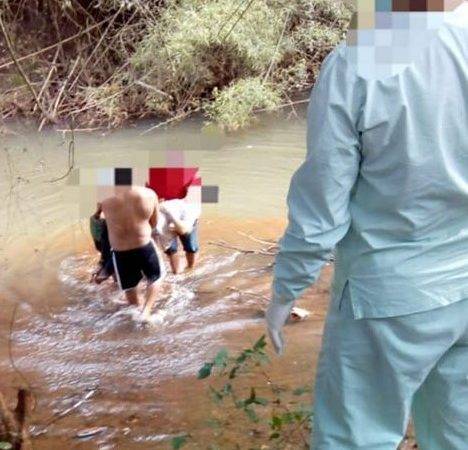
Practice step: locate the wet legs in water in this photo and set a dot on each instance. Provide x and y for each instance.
(191, 259)
(152, 290)
(151, 295)
(174, 261)
(132, 297)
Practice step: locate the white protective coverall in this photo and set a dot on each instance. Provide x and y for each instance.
(385, 183)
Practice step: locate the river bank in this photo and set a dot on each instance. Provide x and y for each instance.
(103, 63)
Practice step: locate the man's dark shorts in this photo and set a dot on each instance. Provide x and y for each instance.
(131, 265)
(189, 242)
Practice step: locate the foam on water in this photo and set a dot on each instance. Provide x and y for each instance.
(96, 335)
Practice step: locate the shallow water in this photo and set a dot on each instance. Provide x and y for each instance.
(70, 337)
(77, 345)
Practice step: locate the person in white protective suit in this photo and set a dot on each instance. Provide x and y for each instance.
(385, 184)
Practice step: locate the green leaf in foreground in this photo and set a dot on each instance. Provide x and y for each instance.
(274, 435)
(179, 441)
(5, 446)
(221, 359)
(205, 371)
(261, 343)
(251, 414)
(276, 423)
(301, 391)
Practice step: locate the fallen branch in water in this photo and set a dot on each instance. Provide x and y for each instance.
(78, 130)
(172, 119)
(248, 293)
(67, 411)
(264, 252)
(71, 157)
(272, 244)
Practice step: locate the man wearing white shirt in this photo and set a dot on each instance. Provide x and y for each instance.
(178, 220)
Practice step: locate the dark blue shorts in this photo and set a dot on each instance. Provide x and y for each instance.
(131, 265)
(189, 242)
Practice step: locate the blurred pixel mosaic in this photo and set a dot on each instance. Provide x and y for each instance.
(387, 36)
(170, 179)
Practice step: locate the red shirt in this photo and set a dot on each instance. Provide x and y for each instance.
(172, 182)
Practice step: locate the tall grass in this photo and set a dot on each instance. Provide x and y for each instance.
(132, 58)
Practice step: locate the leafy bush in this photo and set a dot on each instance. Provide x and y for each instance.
(233, 107)
(196, 45)
(165, 57)
(107, 100)
(279, 417)
(198, 53)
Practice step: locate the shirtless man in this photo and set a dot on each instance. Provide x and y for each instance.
(131, 214)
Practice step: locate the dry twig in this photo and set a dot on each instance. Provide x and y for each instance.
(50, 47)
(67, 411)
(22, 73)
(242, 250)
(248, 293)
(49, 75)
(62, 89)
(71, 157)
(85, 64)
(172, 119)
(260, 241)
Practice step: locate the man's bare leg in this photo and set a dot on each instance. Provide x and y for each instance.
(132, 297)
(174, 262)
(152, 290)
(191, 259)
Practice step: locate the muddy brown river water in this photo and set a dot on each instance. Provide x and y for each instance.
(71, 340)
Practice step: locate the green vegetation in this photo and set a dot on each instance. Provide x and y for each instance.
(276, 416)
(125, 59)
(233, 107)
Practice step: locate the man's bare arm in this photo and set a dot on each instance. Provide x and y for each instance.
(98, 212)
(179, 226)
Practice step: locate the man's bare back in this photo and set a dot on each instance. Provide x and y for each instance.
(130, 215)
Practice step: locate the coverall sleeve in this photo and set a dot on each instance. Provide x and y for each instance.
(320, 190)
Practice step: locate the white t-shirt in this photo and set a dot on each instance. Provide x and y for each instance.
(187, 213)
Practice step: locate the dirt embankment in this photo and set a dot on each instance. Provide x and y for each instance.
(99, 63)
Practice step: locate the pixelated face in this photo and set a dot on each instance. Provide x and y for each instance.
(170, 179)
(424, 5)
(370, 6)
(386, 36)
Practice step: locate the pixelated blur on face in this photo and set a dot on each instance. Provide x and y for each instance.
(424, 5)
(172, 174)
(387, 36)
(364, 7)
